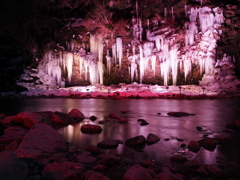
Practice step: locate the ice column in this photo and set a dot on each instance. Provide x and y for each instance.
(119, 50)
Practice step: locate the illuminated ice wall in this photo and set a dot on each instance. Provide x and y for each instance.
(162, 45)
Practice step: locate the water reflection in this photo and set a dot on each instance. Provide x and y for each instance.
(212, 115)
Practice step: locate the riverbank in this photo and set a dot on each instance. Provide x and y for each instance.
(131, 91)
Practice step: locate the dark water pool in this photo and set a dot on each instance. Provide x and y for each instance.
(212, 115)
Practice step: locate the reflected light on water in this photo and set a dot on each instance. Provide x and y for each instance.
(211, 115)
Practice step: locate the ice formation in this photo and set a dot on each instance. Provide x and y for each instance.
(162, 47)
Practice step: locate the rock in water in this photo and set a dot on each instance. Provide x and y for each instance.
(135, 141)
(152, 138)
(41, 141)
(137, 172)
(11, 167)
(76, 114)
(91, 129)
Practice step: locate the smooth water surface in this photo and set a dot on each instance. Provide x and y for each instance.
(212, 115)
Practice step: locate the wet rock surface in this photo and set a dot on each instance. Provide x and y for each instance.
(40, 152)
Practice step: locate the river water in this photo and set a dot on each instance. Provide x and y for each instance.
(212, 115)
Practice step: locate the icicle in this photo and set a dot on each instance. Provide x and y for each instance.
(141, 64)
(119, 50)
(187, 67)
(68, 58)
(172, 11)
(114, 53)
(165, 12)
(174, 63)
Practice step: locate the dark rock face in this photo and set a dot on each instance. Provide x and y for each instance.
(62, 170)
(108, 144)
(178, 114)
(11, 167)
(135, 141)
(178, 159)
(91, 129)
(194, 146)
(76, 114)
(41, 141)
(137, 172)
(28, 119)
(61, 118)
(235, 124)
(152, 138)
(208, 143)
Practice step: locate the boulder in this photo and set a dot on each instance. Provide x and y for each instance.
(76, 114)
(194, 146)
(235, 124)
(152, 138)
(85, 159)
(91, 175)
(94, 149)
(163, 176)
(178, 159)
(108, 159)
(13, 133)
(222, 140)
(122, 120)
(41, 141)
(61, 118)
(91, 129)
(114, 116)
(28, 119)
(178, 114)
(11, 167)
(135, 141)
(208, 143)
(137, 172)
(92, 118)
(108, 144)
(62, 170)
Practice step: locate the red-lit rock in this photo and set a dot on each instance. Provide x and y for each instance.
(41, 141)
(94, 149)
(124, 111)
(76, 114)
(61, 118)
(138, 140)
(91, 175)
(91, 129)
(152, 138)
(163, 176)
(28, 119)
(62, 170)
(122, 120)
(114, 116)
(86, 159)
(108, 159)
(13, 133)
(215, 171)
(178, 159)
(194, 146)
(235, 124)
(137, 172)
(11, 167)
(222, 140)
(208, 143)
(92, 118)
(178, 114)
(108, 144)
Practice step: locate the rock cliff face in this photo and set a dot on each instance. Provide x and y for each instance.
(151, 42)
